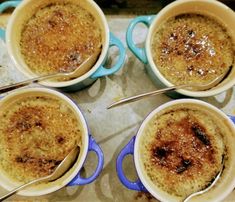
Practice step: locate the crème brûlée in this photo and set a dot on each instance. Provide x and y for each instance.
(182, 150)
(36, 133)
(59, 38)
(192, 48)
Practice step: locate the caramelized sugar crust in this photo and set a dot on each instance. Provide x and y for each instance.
(192, 48)
(182, 151)
(36, 133)
(191, 148)
(58, 38)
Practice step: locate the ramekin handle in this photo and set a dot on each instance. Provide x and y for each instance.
(93, 146)
(127, 150)
(139, 52)
(232, 118)
(103, 71)
(3, 6)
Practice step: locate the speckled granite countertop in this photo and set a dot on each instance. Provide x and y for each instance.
(112, 129)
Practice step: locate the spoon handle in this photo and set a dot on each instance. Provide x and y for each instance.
(141, 96)
(20, 188)
(10, 87)
(60, 170)
(83, 68)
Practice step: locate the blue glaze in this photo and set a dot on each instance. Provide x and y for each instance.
(93, 146)
(127, 150)
(232, 118)
(3, 6)
(102, 71)
(139, 52)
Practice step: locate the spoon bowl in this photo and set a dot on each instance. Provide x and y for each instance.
(82, 69)
(214, 181)
(60, 170)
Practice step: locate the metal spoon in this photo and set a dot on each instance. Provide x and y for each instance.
(209, 187)
(83, 68)
(59, 171)
(196, 87)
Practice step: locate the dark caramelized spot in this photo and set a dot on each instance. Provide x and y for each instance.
(181, 169)
(163, 151)
(191, 33)
(38, 123)
(52, 23)
(23, 125)
(179, 144)
(45, 165)
(190, 68)
(74, 56)
(179, 53)
(160, 152)
(25, 120)
(19, 159)
(60, 139)
(173, 36)
(196, 48)
(200, 134)
(185, 163)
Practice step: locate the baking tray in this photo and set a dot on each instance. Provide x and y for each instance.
(112, 128)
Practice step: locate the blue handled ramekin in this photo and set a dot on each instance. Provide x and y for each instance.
(223, 187)
(212, 8)
(72, 177)
(25, 9)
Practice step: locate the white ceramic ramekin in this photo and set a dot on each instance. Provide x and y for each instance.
(213, 8)
(72, 177)
(222, 188)
(27, 8)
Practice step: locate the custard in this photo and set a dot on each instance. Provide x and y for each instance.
(181, 149)
(192, 48)
(59, 38)
(36, 133)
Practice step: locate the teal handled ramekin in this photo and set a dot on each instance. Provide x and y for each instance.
(73, 176)
(25, 9)
(214, 9)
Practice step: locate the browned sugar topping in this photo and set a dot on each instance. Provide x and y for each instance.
(190, 149)
(58, 38)
(181, 150)
(192, 49)
(36, 133)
